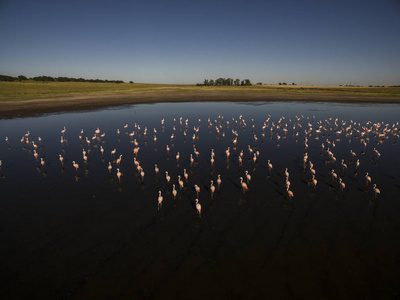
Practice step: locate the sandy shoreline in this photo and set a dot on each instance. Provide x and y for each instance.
(34, 107)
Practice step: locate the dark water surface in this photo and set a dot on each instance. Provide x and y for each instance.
(84, 234)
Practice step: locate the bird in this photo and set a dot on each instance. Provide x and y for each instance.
(289, 192)
(244, 185)
(76, 166)
(156, 169)
(174, 192)
(219, 180)
(286, 173)
(197, 189)
(212, 188)
(248, 176)
(180, 181)
(198, 207)
(334, 175)
(314, 181)
(367, 178)
(341, 184)
(160, 200)
(269, 165)
(167, 177)
(109, 167)
(119, 174)
(376, 190)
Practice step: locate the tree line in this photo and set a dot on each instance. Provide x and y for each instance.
(55, 79)
(225, 81)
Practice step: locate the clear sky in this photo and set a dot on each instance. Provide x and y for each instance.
(186, 41)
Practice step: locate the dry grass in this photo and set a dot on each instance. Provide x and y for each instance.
(15, 91)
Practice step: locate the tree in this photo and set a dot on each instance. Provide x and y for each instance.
(247, 82)
(237, 82)
(22, 77)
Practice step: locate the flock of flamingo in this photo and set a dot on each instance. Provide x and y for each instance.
(327, 133)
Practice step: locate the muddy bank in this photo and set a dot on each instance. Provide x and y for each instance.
(34, 107)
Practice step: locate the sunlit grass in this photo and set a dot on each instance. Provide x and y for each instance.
(13, 91)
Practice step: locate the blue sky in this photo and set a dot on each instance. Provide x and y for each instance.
(184, 42)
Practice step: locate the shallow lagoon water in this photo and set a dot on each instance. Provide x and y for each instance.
(84, 234)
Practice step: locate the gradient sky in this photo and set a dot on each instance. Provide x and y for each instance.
(184, 41)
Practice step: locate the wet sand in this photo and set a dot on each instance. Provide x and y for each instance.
(26, 108)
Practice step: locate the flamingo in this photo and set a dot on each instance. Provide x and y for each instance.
(197, 188)
(269, 165)
(119, 160)
(174, 192)
(287, 173)
(287, 183)
(219, 180)
(341, 183)
(109, 167)
(167, 177)
(314, 181)
(290, 193)
(367, 178)
(180, 181)
(343, 164)
(376, 190)
(212, 188)
(244, 185)
(248, 176)
(177, 156)
(186, 175)
(334, 175)
(41, 161)
(60, 158)
(198, 207)
(119, 174)
(156, 169)
(76, 166)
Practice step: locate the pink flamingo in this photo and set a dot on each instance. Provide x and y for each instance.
(376, 190)
(197, 188)
(212, 188)
(290, 193)
(244, 185)
(198, 207)
(160, 200)
(174, 192)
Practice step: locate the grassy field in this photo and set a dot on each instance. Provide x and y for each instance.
(15, 91)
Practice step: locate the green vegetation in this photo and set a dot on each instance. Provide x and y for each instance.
(59, 79)
(225, 82)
